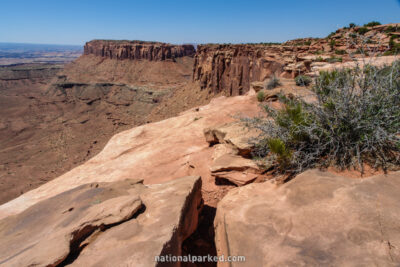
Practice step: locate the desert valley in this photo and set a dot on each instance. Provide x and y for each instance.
(136, 150)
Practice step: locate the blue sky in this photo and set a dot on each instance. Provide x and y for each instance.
(179, 21)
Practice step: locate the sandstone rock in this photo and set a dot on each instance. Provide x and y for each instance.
(122, 223)
(231, 68)
(235, 177)
(235, 134)
(156, 152)
(230, 162)
(137, 50)
(257, 86)
(223, 149)
(316, 219)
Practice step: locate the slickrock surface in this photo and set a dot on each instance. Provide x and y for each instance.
(317, 219)
(156, 152)
(122, 223)
(137, 50)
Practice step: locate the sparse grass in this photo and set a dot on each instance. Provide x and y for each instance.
(355, 121)
(273, 83)
(303, 80)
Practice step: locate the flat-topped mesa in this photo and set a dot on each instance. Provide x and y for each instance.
(231, 68)
(137, 50)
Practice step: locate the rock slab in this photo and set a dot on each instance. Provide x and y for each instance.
(122, 223)
(316, 219)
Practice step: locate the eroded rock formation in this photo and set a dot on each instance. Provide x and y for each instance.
(231, 68)
(137, 50)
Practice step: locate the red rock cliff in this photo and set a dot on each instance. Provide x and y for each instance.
(153, 51)
(231, 68)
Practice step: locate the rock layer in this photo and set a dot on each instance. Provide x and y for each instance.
(137, 50)
(231, 68)
(317, 219)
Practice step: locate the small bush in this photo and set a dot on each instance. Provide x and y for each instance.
(273, 83)
(303, 80)
(334, 59)
(260, 96)
(332, 43)
(331, 34)
(340, 52)
(390, 29)
(362, 30)
(355, 121)
(372, 24)
(352, 25)
(319, 59)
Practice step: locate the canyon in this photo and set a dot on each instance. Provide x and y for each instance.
(136, 150)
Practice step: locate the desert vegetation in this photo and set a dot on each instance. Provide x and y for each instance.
(272, 83)
(303, 80)
(354, 121)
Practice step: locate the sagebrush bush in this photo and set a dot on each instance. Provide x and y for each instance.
(260, 96)
(273, 83)
(355, 120)
(302, 80)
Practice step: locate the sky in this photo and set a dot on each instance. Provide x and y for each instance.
(184, 21)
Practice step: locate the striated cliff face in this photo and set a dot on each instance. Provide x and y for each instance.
(231, 68)
(153, 51)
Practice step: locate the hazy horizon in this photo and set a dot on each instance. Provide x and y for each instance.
(76, 22)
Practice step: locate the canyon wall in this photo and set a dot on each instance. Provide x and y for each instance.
(153, 51)
(231, 68)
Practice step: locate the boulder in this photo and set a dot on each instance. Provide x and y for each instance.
(235, 177)
(230, 162)
(235, 134)
(257, 86)
(122, 223)
(316, 219)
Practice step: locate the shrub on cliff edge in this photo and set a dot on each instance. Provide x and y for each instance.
(355, 120)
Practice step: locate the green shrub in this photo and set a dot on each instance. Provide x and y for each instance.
(331, 34)
(362, 30)
(260, 96)
(354, 121)
(319, 59)
(273, 83)
(334, 59)
(372, 24)
(390, 29)
(332, 43)
(303, 80)
(340, 52)
(352, 25)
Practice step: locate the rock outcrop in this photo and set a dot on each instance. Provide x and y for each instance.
(137, 50)
(316, 219)
(231, 68)
(132, 222)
